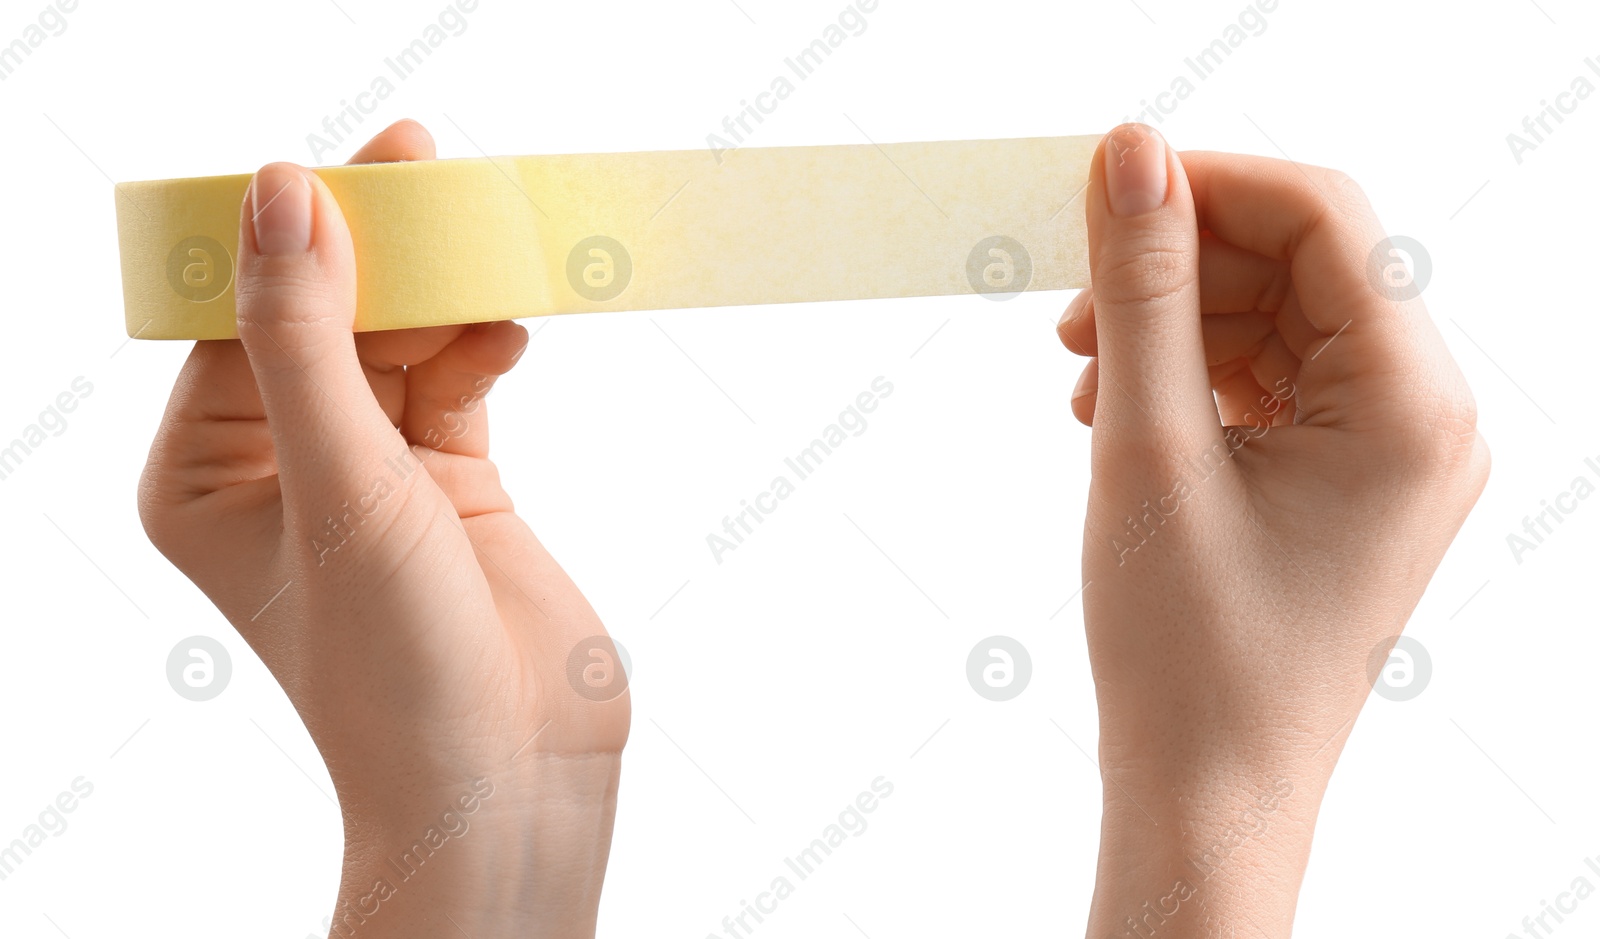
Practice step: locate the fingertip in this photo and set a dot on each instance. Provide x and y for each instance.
(516, 341)
(276, 216)
(413, 141)
(509, 338)
(1074, 308)
(1076, 329)
(403, 141)
(1064, 333)
(280, 166)
(1085, 392)
(489, 348)
(1083, 409)
(1131, 171)
(523, 337)
(288, 210)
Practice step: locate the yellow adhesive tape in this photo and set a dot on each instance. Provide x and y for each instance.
(474, 240)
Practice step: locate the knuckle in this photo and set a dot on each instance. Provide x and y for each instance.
(1480, 465)
(1342, 187)
(1445, 443)
(291, 290)
(1455, 423)
(156, 514)
(1274, 294)
(1338, 196)
(285, 291)
(1151, 274)
(1128, 451)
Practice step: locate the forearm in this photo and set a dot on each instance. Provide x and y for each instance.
(528, 859)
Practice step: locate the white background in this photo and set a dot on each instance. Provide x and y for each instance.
(805, 665)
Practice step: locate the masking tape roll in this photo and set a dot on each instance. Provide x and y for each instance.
(474, 240)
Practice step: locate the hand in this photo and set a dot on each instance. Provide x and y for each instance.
(1282, 451)
(332, 494)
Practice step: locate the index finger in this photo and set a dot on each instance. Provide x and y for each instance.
(1319, 221)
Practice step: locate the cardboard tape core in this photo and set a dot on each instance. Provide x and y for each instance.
(475, 240)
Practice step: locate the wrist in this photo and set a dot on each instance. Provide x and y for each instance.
(1181, 856)
(519, 852)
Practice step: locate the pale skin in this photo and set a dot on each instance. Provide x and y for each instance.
(1231, 623)
(429, 649)
(332, 494)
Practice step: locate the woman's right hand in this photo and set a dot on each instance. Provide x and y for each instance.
(1282, 451)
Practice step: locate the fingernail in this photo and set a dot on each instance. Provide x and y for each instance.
(1089, 381)
(1136, 170)
(281, 210)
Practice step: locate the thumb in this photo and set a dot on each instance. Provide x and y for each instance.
(296, 296)
(1144, 262)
